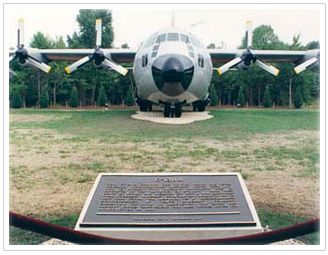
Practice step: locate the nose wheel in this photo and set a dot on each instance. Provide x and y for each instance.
(171, 110)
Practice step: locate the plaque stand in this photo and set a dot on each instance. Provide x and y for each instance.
(169, 206)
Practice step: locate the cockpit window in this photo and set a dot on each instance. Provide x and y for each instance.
(173, 37)
(161, 38)
(184, 38)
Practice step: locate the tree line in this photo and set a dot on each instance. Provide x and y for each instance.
(91, 87)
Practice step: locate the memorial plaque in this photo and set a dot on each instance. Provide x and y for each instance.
(167, 201)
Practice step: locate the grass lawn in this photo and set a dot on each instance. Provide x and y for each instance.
(55, 156)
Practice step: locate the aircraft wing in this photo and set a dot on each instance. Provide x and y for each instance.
(111, 58)
(117, 55)
(245, 57)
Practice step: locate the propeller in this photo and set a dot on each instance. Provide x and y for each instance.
(247, 57)
(301, 67)
(98, 57)
(22, 53)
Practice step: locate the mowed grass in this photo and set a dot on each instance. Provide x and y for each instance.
(118, 125)
(55, 156)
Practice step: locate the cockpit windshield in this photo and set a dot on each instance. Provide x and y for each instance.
(173, 37)
(161, 38)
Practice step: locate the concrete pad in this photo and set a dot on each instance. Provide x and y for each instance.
(186, 118)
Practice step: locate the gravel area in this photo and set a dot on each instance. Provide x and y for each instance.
(186, 118)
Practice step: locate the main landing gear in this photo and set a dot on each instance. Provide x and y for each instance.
(145, 106)
(199, 106)
(171, 110)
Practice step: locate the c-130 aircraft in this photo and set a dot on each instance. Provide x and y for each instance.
(171, 68)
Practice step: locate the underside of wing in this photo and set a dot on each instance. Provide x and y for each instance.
(117, 55)
(243, 59)
(222, 56)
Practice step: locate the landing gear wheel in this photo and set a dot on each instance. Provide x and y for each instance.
(178, 110)
(194, 106)
(167, 110)
(145, 106)
(201, 106)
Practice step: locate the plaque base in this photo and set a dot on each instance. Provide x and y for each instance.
(169, 206)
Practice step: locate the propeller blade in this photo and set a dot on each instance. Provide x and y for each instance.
(300, 68)
(40, 65)
(12, 57)
(118, 68)
(222, 69)
(249, 33)
(269, 68)
(71, 68)
(98, 31)
(20, 34)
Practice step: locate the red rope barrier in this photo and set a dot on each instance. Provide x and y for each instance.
(79, 237)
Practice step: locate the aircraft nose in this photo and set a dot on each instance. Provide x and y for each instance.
(172, 74)
(172, 70)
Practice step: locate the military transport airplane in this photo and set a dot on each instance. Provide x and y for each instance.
(172, 67)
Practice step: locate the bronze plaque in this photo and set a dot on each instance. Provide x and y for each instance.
(168, 200)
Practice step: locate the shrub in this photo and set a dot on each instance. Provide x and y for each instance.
(16, 100)
(74, 100)
(102, 97)
(241, 97)
(267, 102)
(213, 96)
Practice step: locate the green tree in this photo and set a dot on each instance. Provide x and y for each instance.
(16, 100)
(86, 38)
(74, 100)
(88, 78)
(44, 99)
(40, 41)
(213, 95)
(102, 97)
(241, 97)
(267, 102)
(312, 45)
(129, 99)
(298, 99)
(211, 46)
(125, 46)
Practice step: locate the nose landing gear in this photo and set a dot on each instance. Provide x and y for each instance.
(171, 110)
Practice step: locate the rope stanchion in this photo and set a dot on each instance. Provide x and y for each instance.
(70, 235)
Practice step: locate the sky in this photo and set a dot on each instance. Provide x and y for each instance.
(132, 24)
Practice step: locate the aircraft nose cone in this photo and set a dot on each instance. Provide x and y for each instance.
(172, 74)
(172, 70)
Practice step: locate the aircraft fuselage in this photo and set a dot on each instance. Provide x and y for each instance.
(172, 67)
